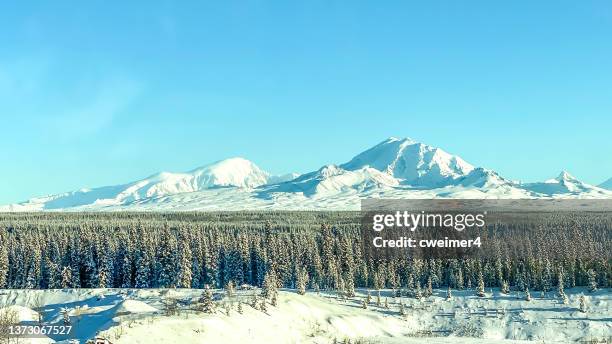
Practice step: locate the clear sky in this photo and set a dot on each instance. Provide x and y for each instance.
(104, 92)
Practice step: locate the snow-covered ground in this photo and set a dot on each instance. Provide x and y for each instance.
(137, 316)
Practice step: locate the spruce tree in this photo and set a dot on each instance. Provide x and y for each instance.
(429, 287)
(349, 283)
(583, 307)
(302, 279)
(230, 290)
(418, 294)
(505, 289)
(166, 260)
(269, 286)
(4, 267)
(560, 290)
(481, 288)
(592, 280)
(184, 260)
(254, 301)
(206, 301)
(66, 278)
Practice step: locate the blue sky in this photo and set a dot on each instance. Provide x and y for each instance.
(105, 92)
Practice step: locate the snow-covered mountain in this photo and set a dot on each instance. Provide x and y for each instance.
(606, 185)
(394, 168)
(412, 162)
(565, 183)
(231, 173)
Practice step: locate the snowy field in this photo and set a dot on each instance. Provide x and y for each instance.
(140, 316)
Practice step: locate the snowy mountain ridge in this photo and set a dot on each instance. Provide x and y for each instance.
(606, 185)
(394, 168)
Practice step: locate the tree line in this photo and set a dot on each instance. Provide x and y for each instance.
(302, 250)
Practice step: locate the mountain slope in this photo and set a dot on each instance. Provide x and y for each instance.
(394, 168)
(414, 163)
(606, 185)
(233, 172)
(564, 184)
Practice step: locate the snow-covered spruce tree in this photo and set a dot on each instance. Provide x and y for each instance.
(341, 289)
(564, 299)
(499, 273)
(66, 281)
(480, 291)
(75, 263)
(527, 294)
(418, 294)
(460, 279)
(206, 303)
(91, 268)
(233, 267)
(583, 307)
(561, 277)
(184, 263)
(166, 260)
(349, 285)
(449, 294)
(230, 289)
(263, 306)
(378, 301)
(170, 306)
(402, 310)
(33, 276)
(254, 301)
(364, 304)
(274, 300)
(269, 286)
(410, 285)
(53, 274)
(429, 290)
(301, 281)
(239, 309)
(143, 269)
(369, 297)
(505, 288)
(547, 275)
(592, 280)
(125, 270)
(4, 268)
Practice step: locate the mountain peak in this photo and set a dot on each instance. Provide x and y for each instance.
(236, 171)
(413, 162)
(394, 139)
(395, 167)
(565, 176)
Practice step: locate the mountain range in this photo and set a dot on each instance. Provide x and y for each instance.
(394, 168)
